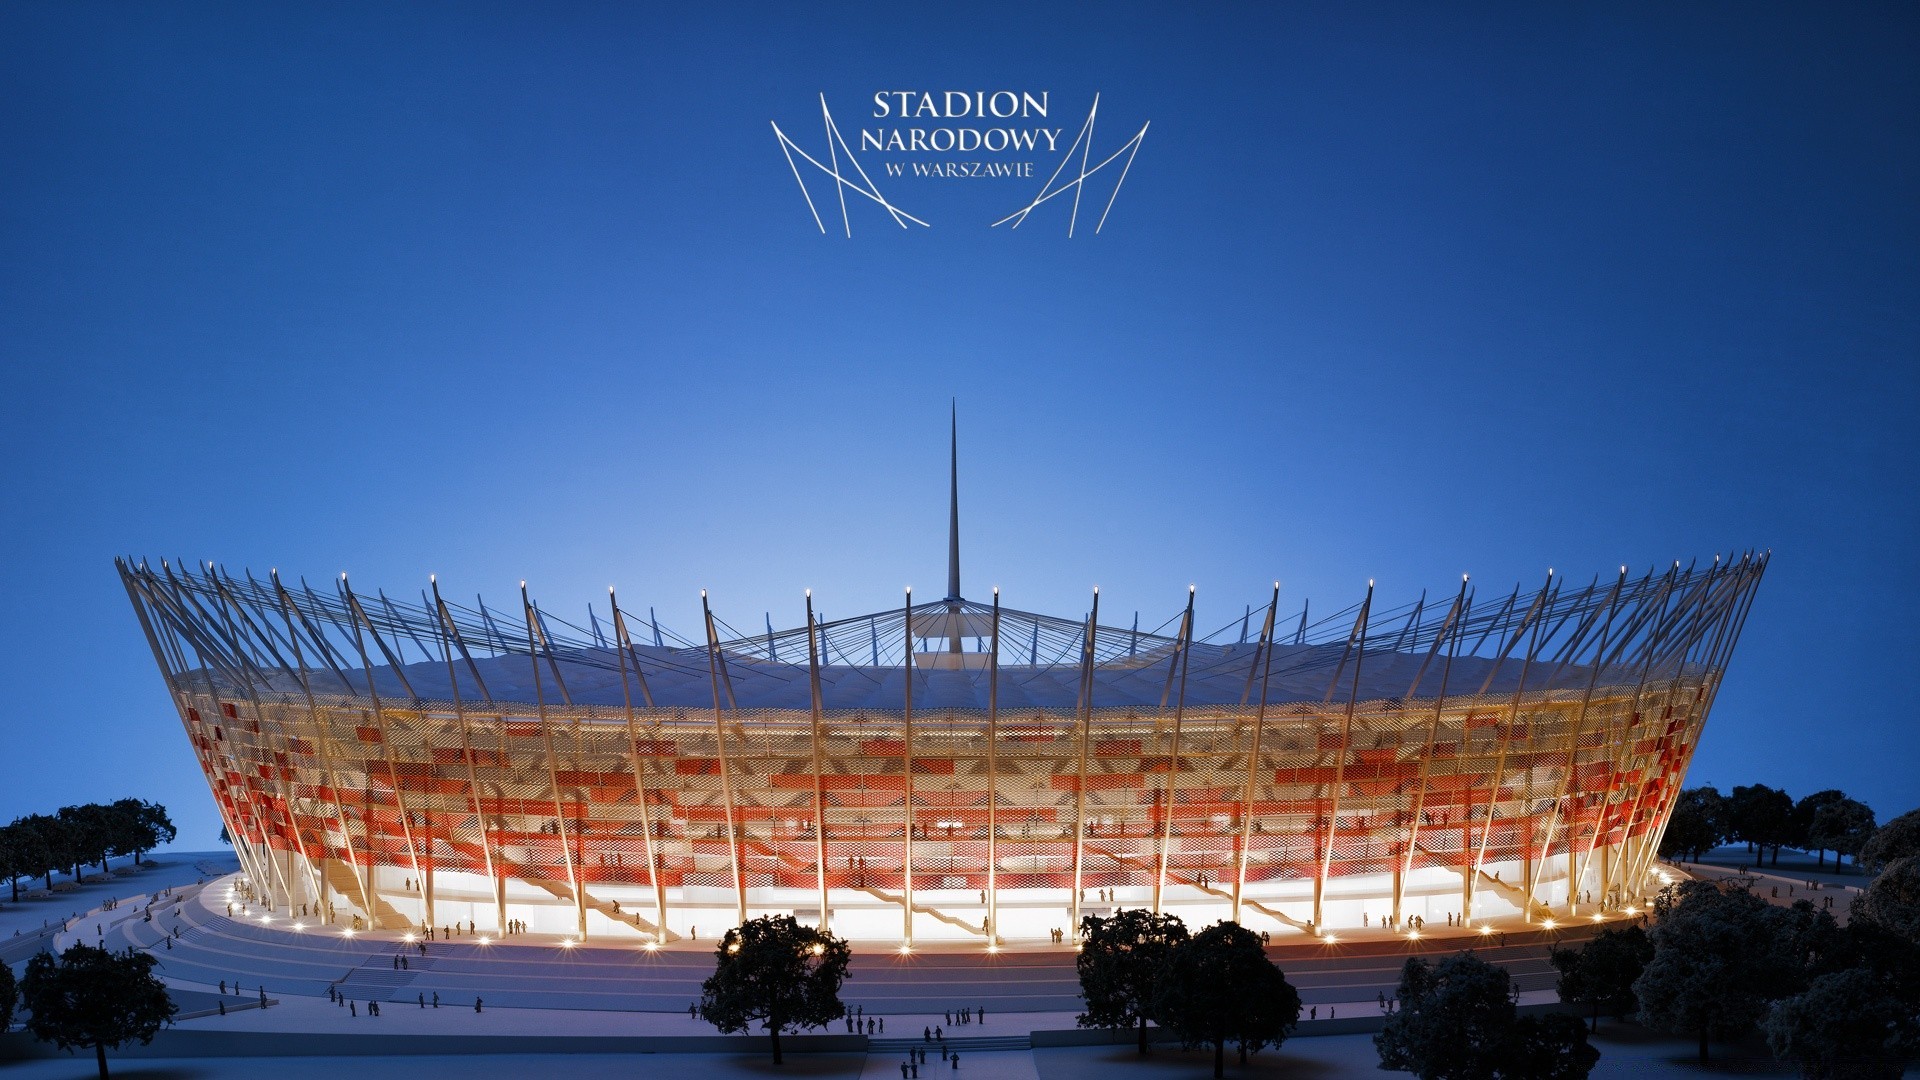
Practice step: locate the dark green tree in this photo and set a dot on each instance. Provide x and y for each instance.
(1698, 824)
(9, 996)
(27, 854)
(1122, 958)
(1551, 1047)
(91, 829)
(1847, 1025)
(1896, 839)
(1456, 1021)
(139, 827)
(1892, 899)
(52, 844)
(1219, 987)
(94, 998)
(778, 971)
(1803, 815)
(1720, 956)
(1761, 816)
(1600, 974)
(1843, 827)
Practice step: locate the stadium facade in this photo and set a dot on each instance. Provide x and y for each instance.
(954, 769)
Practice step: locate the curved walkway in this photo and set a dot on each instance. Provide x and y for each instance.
(538, 972)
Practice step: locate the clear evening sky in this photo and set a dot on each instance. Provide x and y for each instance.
(1391, 292)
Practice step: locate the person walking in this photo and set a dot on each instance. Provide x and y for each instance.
(353, 1009)
(476, 1004)
(423, 1001)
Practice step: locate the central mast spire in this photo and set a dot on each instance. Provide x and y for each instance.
(953, 520)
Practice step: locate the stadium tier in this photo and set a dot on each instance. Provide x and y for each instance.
(949, 769)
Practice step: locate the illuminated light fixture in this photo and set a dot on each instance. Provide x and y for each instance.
(818, 948)
(408, 938)
(906, 948)
(1599, 917)
(993, 948)
(1549, 924)
(734, 948)
(486, 941)
(1413, 935)
(1486, 930)
(1633, 910)
(568, 943)
(299, 926)
(346, 933)
(651, 946)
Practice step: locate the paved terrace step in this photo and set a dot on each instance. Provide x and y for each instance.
(533, 972)
(969, 1044)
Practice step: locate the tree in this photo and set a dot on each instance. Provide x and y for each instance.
(778, 971)
(1892, 899)
(1847, 1025)
(1122, 958)
(140, 827)
(1456, 1021)
(1600, 974)
(52, 844)
(1219, 987)
(1551, 1047)
(96, 998)
(1720, 956)
(1805, 811)
(27, 854)
(1699, 823)
(1761, 816)
(91, 829)
(9, 996)
(1896, 839)
(1844, 827)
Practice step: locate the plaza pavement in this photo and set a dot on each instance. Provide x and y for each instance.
(590, 993)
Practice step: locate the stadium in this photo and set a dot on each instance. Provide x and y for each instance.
(953, 770)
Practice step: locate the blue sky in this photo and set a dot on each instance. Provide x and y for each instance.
(1391, 292)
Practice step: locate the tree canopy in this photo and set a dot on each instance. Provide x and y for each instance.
(1842, 826)
(37, 845)
(1122, 958)
(1219, 987)
(1600, 974)
(9, 996)
(1698, 823)
(1721, 955)
(1804, 812)
(1761, 816)
(1892, 899)
(1848, 1024)
(1457, 1021)
(778, 971)
(1896, 839)
(95, 998)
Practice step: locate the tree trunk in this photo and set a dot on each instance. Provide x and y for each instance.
(1219, 1058)
(1703, 1044)
(1143, 1036)
(776, 1046)
(100, 1054)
